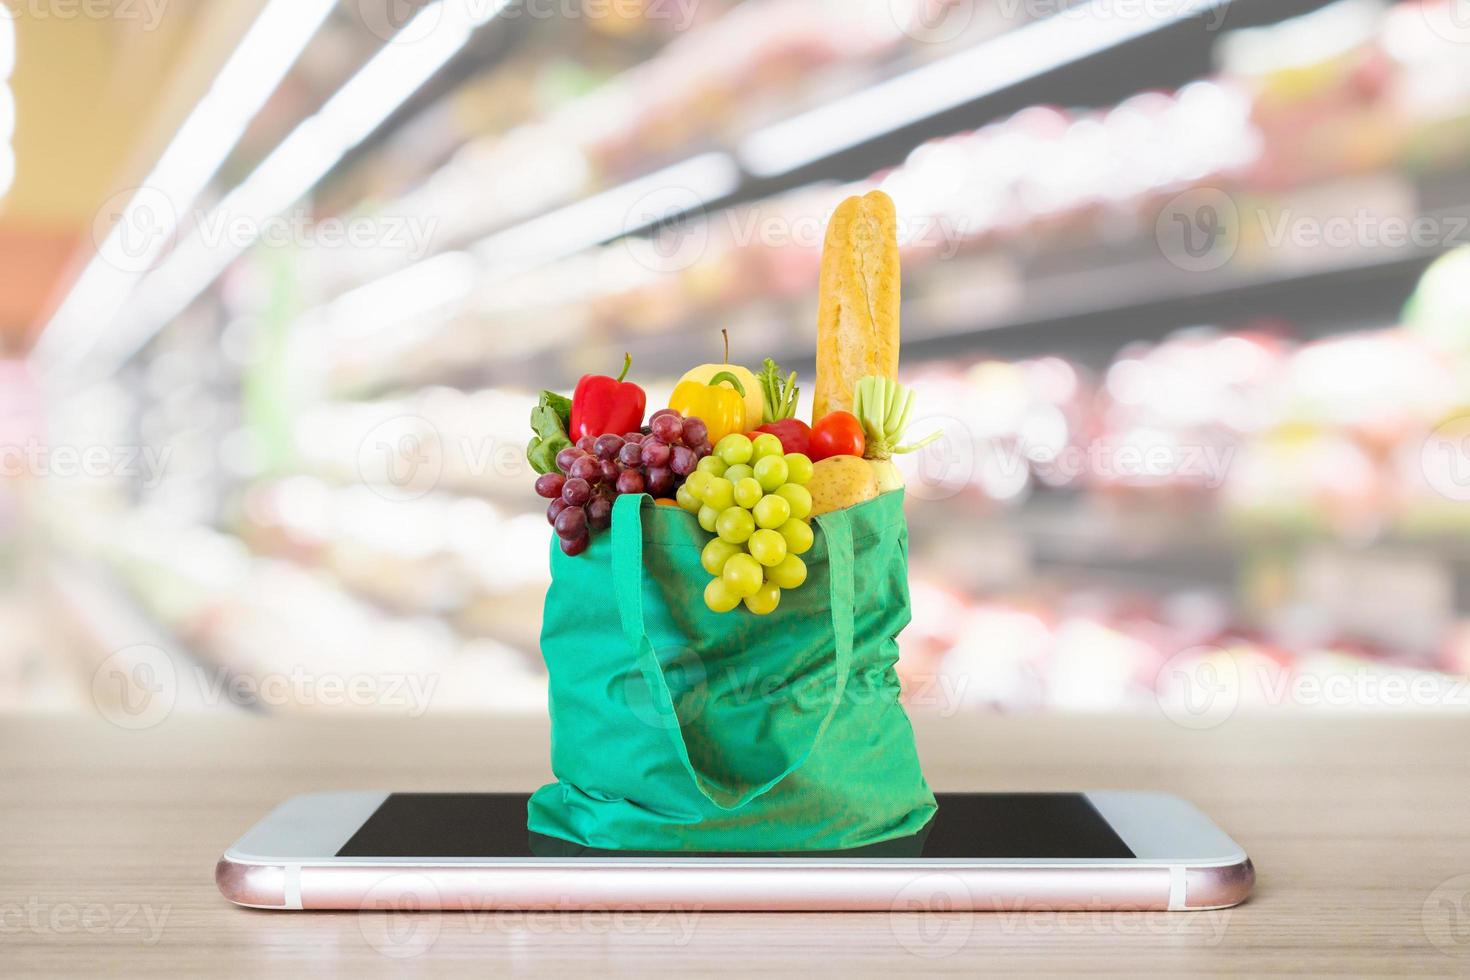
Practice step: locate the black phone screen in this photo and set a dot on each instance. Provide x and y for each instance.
(968, 825)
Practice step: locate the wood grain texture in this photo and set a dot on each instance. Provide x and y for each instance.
(1359, 827)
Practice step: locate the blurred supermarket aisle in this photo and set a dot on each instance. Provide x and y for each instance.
(1181, 288)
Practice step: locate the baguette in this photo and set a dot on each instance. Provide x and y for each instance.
(857, 315)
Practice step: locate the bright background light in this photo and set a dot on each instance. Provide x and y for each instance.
(373, 94)
(7, 42)
(187, 165)
(7, 101)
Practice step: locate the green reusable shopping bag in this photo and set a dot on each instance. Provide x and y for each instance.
(676, 728)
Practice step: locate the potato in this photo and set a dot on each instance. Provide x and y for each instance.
(841, 481)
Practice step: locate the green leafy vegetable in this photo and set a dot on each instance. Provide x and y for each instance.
(780, 394)
(551, 419)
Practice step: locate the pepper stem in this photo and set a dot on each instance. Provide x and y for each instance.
(627, 363)
(727, 376)
(726, 334)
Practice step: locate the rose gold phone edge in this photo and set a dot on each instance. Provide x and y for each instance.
(736, 884)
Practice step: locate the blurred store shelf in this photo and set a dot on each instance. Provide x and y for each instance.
(122, 652)
(1290, 181)
(435, 555)
(345, 493)
(271, 634)
(574, 111)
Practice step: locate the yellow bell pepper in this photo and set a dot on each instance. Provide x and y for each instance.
(755, 401)
(742, 380)
(721, 409)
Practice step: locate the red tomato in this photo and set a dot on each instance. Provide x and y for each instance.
(837, 434)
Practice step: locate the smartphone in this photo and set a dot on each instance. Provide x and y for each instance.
(1099, 851)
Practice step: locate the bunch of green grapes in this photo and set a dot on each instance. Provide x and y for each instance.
(753, 498)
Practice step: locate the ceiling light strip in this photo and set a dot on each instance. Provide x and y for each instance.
(1017, 56)
(308, 154)
(149, 220)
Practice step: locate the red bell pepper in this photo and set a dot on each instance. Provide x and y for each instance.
(601, 404)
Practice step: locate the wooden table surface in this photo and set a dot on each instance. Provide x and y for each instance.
(1359, 827)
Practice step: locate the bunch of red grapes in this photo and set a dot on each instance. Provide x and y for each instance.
(596, 470)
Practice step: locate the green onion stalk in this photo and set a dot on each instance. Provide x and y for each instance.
(884, 408)
(780, 394)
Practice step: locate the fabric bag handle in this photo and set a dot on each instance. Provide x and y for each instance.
(628, 581)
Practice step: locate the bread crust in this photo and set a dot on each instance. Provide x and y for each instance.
(858, 305)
